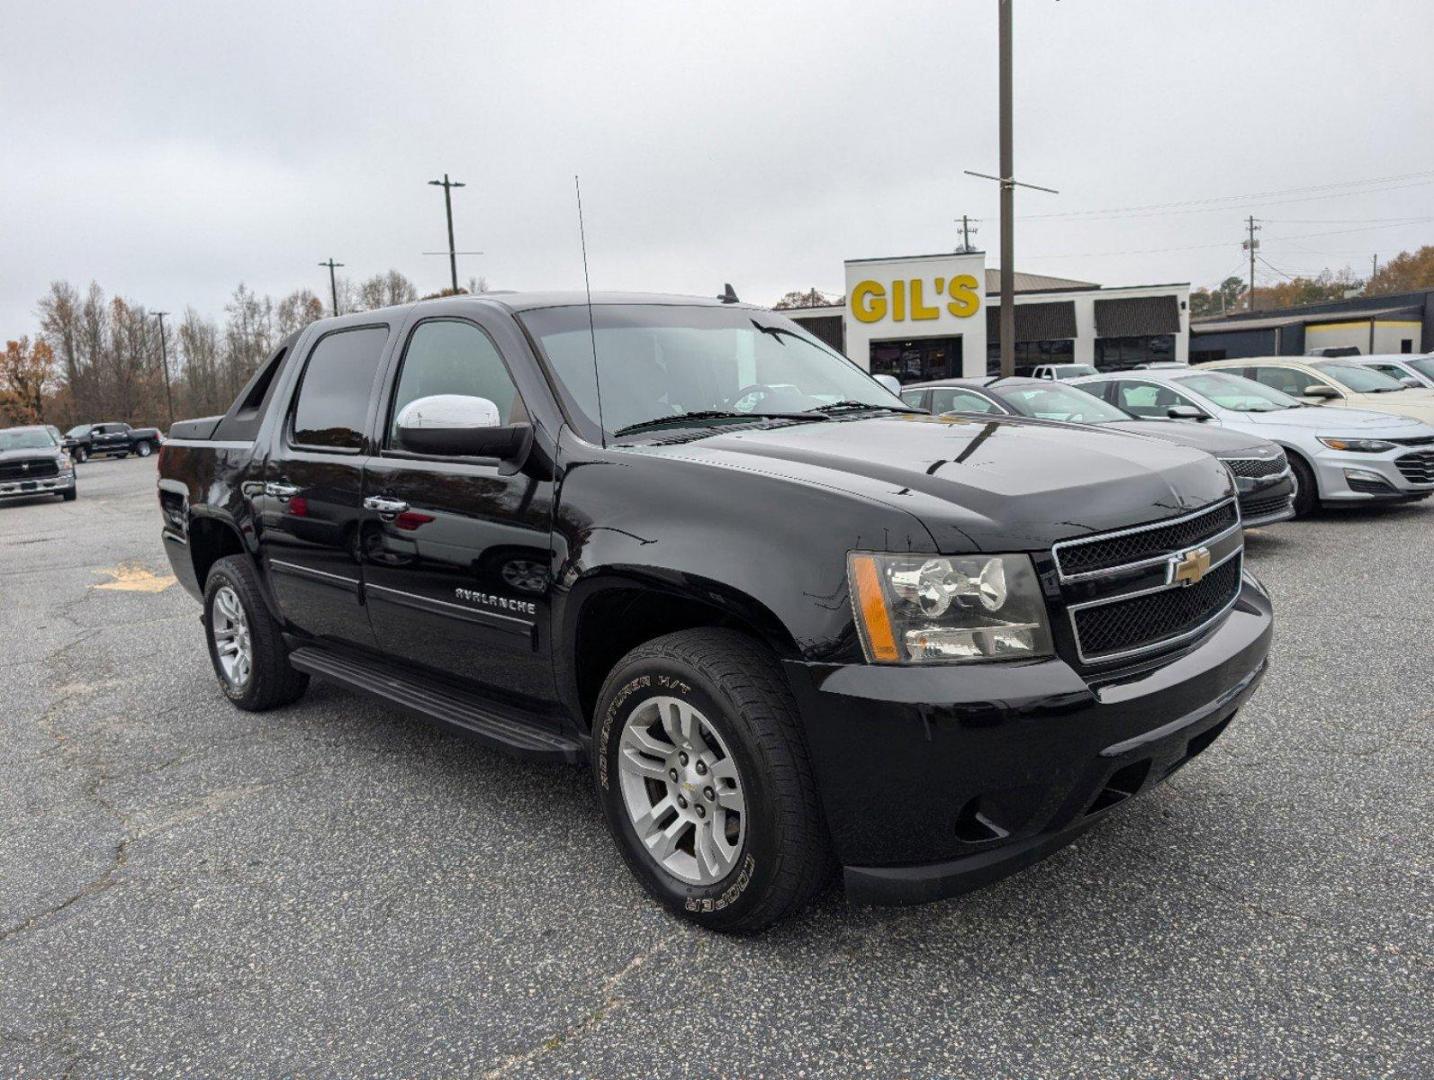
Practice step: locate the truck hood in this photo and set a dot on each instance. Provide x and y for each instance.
(7, 456)
(1326, 420)
(993, 483)
(1207, 437)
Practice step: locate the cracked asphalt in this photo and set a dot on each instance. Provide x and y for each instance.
(335, 889)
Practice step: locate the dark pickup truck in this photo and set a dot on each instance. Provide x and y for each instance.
(791, 623)
(112, 437)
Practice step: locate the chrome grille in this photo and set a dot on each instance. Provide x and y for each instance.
(1254, 468)
(1124, 592)
(1165, 615)
(1096, 554)
(1417, 468)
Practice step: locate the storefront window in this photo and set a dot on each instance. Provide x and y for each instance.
(1031, 353)
(919, 360)
(1122, 353)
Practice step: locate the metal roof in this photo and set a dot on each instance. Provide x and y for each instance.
(1221, 326)
(1035, 282)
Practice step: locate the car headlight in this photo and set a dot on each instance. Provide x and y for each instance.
(1358, 446)
(924, 609)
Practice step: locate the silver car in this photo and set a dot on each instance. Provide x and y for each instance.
(1338, 455)
(1401, 366)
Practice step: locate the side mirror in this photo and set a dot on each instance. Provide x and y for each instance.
(891, 382)
(1186, 412)
(459, 425)
(1320, 391)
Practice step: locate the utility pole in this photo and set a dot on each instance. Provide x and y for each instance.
(164, 360)
(448, 185)
(1373, 271)
(1252, 245)
(333, 281)
(966, 230)
(1008, 183)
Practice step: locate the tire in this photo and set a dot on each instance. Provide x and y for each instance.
(70, 493)
(773, 856)
(269, 680)
(81, 454)
(144, 449)
(1306, 490)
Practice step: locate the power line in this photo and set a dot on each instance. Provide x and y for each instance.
(1423, 177)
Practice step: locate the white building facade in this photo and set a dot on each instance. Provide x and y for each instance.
(937, 316)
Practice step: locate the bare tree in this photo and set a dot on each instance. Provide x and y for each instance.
(199, 373)
(296, 311)
(248, 338)
(385, 290)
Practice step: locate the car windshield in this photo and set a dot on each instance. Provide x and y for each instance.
(1238, 394)
(1057, 402)
(1072, 371)
(1360, 379)
(1424, 365)
(76, 431)
(660, 365)
(26, 439)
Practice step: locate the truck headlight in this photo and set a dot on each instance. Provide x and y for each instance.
(924, 609)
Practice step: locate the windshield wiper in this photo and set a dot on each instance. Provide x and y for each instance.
(842, 406)
(710, 414)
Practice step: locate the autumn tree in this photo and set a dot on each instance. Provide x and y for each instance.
(296, 311)
(1406, 272)
(812, 297)
(27, 370)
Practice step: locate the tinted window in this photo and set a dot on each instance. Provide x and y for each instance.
(914, 398)
(449, 357)
(334, 395)
(950, 399)
(1286, 380)
(1424, 365)
(1058, 402)
(1361, 379)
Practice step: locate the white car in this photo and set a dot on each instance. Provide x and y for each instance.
(1061, 371)
(1337, 383)
(1400, 366)
(1338, 455)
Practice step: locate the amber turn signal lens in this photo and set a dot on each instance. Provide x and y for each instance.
(875, 622)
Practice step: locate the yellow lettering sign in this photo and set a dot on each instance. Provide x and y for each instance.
(965, 297)
(919, 310)
(868, 302)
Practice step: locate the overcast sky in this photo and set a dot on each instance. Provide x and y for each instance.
(171, 151)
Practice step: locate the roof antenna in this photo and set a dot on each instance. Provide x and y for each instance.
(728, 294)
(592, 332)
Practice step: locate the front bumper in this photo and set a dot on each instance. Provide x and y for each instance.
(1347, 477)
(50, 485)
(1266, 500)
(938, 780)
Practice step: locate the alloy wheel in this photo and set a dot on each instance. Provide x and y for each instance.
(682, 790)
(232, 643)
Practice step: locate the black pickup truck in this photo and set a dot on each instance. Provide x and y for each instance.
(85, 441)
(792, 623)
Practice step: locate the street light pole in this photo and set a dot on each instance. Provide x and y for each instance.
(333, 281)
(164, 361)
(448, 185)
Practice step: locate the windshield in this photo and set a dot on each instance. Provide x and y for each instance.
(1057, 402)
(1360, 379)
(1424, 365)
(76, 431)
(1238, 394)
(26, 439)
(1072, 371)
(660, 363)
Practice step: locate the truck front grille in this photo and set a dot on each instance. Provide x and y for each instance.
(1143, 622)
(1254, 468)
(1098, 553)
(1417, 468)
(34, 469)
(1150, 588)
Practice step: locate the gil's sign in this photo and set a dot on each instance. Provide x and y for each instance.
(907, 298)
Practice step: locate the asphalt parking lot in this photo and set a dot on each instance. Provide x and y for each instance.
(336, 889)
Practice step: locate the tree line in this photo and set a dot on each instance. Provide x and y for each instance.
(98, 357)
(1409, 271)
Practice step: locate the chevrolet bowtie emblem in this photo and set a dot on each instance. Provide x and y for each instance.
(1188, 567)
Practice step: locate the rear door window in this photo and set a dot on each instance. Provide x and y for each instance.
(336, 387)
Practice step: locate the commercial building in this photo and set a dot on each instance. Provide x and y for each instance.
(935, 316)
(1400, 323)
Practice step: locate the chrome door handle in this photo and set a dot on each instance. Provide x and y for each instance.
(282, 492)
(386, 508)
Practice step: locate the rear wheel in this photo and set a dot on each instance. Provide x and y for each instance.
(1306, 490)
(81, 454)
(143, 449)
(246, 646)
(705, 782)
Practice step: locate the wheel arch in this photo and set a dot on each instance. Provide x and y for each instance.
(608, 614)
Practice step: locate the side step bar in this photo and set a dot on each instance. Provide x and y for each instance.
(490, 723)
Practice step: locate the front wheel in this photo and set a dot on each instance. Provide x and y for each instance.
(705, 782)
(81, 454)
(246, 646)
(1306, 490)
